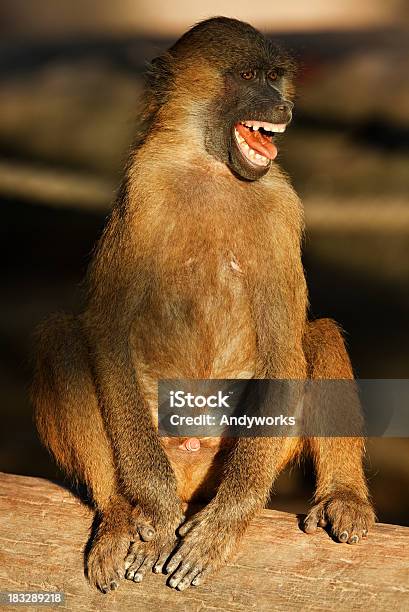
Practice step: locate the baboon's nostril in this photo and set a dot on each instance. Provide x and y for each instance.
(284, 107)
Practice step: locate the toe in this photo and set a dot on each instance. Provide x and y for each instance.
(132, 563)
(173, 563)
(161, 562)
(354, 539)
(181, 572)
(145, 567)
(188, 579)
(185, 527)
(311, 521)
(201, 576)
(343, 537)
(146, 532)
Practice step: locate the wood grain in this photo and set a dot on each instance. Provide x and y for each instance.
(44, 528)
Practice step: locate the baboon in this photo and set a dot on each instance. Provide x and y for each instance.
(198, 275)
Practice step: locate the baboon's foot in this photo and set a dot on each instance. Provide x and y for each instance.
(119, 527)
(149, 555)
(347, 515)
(106, 559)
(207, 543)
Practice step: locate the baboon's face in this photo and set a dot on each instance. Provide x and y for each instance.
(251, 114)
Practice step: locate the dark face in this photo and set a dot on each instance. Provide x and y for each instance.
(252, 113)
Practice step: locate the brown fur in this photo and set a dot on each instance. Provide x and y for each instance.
(197, 275)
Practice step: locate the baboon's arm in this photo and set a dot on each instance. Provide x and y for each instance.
(144, 472)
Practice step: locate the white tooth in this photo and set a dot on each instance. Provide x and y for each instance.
(245, 145)
(258, 156)
(238, 136)
(278, 127)
(255, 127)
(252, 153)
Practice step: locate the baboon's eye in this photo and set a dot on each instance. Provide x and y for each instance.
(272, 75)
(248, 75)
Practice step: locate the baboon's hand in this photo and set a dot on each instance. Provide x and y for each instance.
(207, 543)
(348, 516)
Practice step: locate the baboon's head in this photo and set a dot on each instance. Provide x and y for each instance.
(225, 90)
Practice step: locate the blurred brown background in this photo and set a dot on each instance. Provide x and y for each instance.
(70, 76)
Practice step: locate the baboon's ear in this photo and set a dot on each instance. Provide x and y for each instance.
(155, 63)
(160, 67)
(159, 74)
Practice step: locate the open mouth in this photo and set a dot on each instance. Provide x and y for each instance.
(255, 140)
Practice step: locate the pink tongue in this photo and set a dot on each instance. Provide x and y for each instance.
(257, 141)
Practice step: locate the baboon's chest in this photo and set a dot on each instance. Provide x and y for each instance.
(201, 324)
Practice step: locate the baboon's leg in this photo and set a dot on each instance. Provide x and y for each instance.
(70, 425)
(253, 464)
(341, 496)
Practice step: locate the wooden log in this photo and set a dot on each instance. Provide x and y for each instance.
(44, 528)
